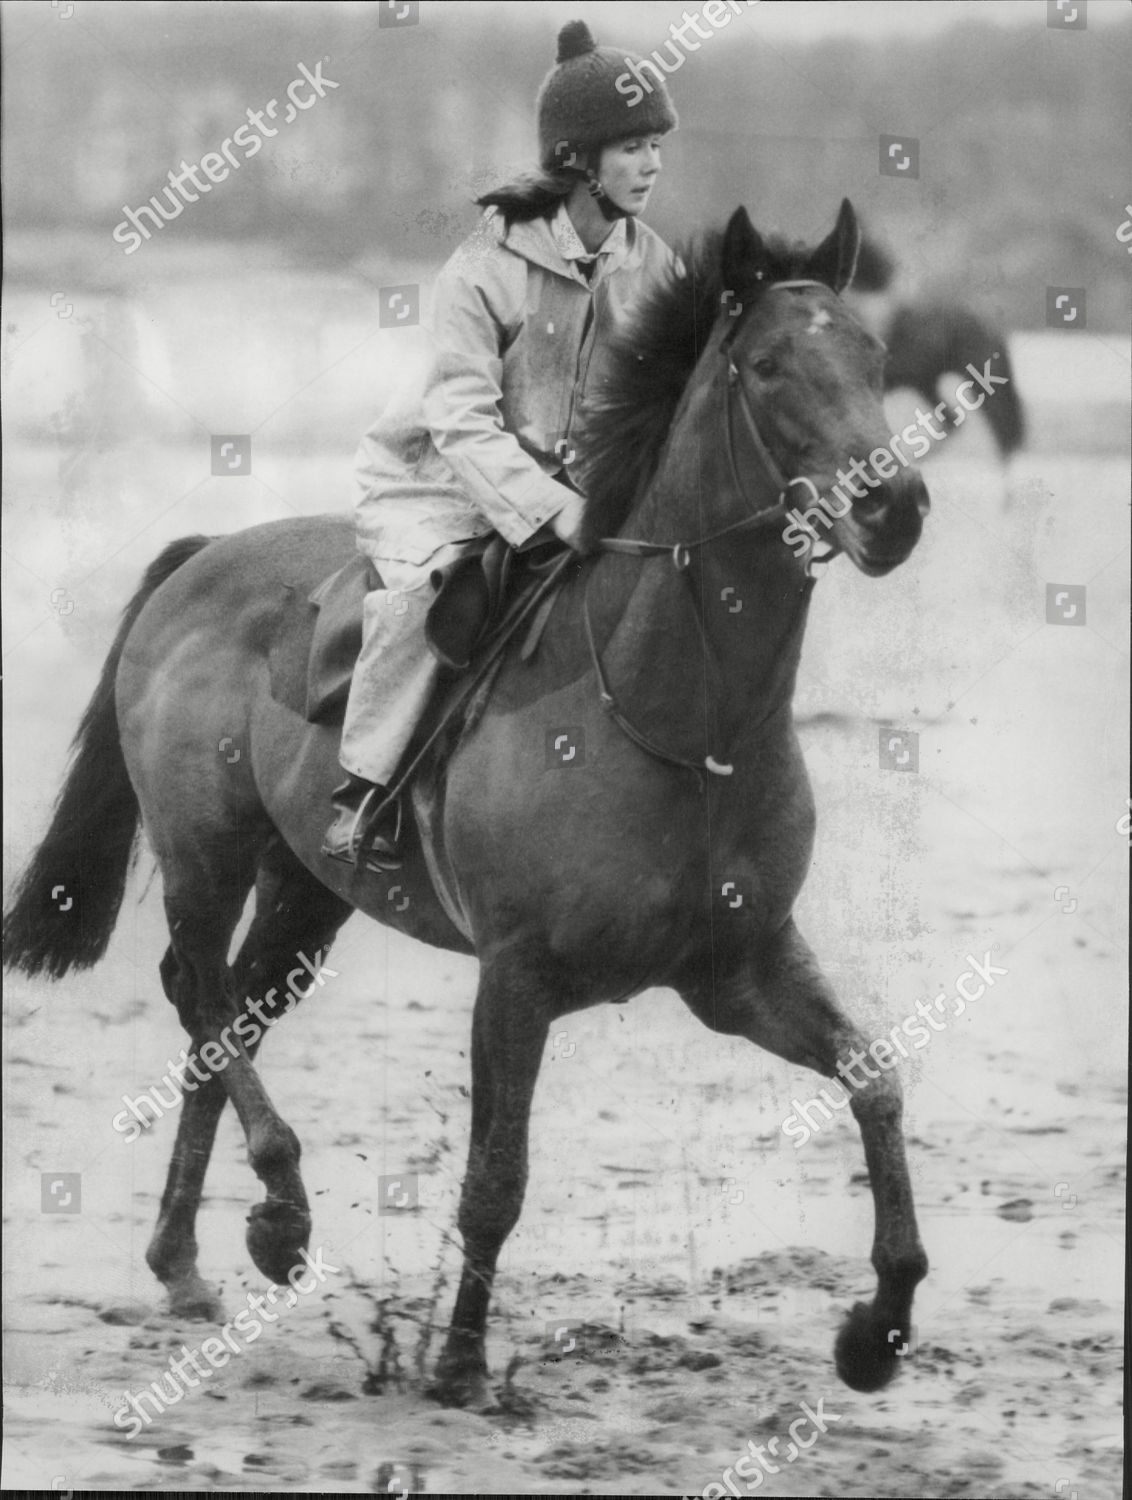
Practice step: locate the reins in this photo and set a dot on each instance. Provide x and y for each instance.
(681, 552)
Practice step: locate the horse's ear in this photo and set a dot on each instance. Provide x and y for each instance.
(743, 251)
(835, 259)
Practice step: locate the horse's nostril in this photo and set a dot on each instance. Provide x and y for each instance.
(872, 505)
(917, 493)
(908, 490)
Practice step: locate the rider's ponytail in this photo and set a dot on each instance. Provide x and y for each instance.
(530, 196)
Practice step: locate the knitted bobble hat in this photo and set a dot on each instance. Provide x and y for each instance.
(595, 95)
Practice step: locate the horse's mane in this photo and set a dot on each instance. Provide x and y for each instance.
(651, 359)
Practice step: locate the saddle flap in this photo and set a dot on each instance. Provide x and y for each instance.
(337, 635)
(469, 592)
(319, 631)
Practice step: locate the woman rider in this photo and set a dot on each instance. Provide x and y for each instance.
(483, 444)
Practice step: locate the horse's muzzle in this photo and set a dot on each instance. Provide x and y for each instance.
(883, 528)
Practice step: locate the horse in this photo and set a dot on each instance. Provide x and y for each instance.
(575, 879)
(930, 337)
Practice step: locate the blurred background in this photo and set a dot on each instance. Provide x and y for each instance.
(254, 307)
(1023, 159)
(283, 305)
(221, 375)
(1019, 127)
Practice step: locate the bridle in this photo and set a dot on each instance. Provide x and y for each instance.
(681, 552)
(778, 483)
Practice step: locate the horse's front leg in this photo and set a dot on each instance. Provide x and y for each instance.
(781, 1000)
(509, 1031)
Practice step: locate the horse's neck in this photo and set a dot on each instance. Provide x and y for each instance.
(721, 641)
(747, 592)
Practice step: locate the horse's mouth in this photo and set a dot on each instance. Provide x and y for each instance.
(879, 566)
(876, 564)
(878, 553)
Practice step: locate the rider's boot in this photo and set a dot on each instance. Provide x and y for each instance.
(355, 801)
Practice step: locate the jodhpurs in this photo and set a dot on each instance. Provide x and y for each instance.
(396, 671)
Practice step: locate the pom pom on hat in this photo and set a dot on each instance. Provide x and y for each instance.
(574, 40)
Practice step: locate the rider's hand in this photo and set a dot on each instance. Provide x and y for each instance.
(567, 524)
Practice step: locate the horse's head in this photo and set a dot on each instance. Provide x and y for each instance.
(809, 379)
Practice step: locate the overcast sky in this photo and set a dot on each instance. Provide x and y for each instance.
(810, 19)
(645, 23)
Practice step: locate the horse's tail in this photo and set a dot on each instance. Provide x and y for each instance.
(66, 902)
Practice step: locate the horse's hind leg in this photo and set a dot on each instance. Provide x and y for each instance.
(509, 1029)
(172, 1252)
(785, 1004)
(294, 914)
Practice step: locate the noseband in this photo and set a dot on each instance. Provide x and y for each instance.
(681, 552)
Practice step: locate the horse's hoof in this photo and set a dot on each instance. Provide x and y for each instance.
(277, 1234)
(869, 1355)
(196, 1301)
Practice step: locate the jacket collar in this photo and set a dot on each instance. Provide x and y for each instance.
(555, 245)
(570, 244)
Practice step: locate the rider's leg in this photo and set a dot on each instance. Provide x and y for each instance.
(392, 684)
(395, 672)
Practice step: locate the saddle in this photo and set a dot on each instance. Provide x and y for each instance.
(482, 599)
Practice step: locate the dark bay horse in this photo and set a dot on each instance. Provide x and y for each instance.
(930, 337)
(587, 879)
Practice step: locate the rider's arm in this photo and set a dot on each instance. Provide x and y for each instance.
(462, 407)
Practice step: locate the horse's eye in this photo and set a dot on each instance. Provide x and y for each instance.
(765, 368)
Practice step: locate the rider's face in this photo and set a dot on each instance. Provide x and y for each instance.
(628, 170)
